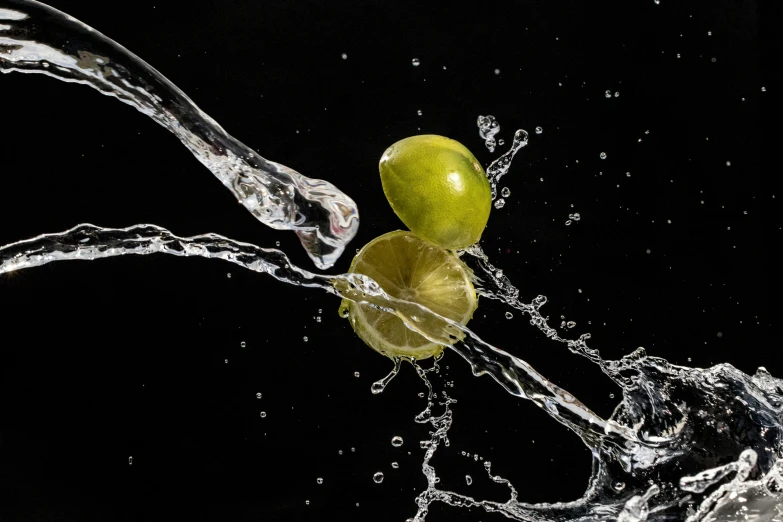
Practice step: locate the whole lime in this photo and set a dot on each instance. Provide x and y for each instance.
(438, 189)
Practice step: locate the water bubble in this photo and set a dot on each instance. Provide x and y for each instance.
(395, 465)
(505, 192)
(258, 395)
(263, 414)
(378, 477)
(319, 480)
(468, 479)
(500, 203)
(603, 155)
(539, 130)
(509, 315)
(344, 56)
(243, 344)
(415, 62)
(488, 127)
(305, 339)
(396, 441)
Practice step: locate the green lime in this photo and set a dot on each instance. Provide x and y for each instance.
(438, 189)
(409, 268)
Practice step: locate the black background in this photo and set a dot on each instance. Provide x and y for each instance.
(100, 361)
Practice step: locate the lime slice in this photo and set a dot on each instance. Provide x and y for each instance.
(409, 268)
(438, 189)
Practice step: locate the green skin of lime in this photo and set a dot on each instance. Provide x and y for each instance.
(438, 189)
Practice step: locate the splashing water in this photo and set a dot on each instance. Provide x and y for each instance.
(36, 38)
(683, 444)
(488, 128)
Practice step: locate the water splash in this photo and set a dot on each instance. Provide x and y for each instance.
(498, 168)
(664, 454)
(488, 128)
(35, 38)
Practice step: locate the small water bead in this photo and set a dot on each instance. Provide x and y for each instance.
(617, 95)
(130, 461)
(395, 465)
(356, 374)
(277, 243)
(318, 319)
(353, 450)
(497, 72)
(226, 361)
(575, 216)
(500, 203)
(608, 94)
(228, 275)
(263, 414)
(258, 395)
(418, 112)
(539, 130)
(421, 395)
(305, 339)
(307, 502)
(415, 62)
(509, 315)
(344, 56)
(242, 344)
(468, 479)
(378, 478)
(505, 191)
(603, 155)
(319, 480)
(570, 324)
(396, 441)
(501, 142)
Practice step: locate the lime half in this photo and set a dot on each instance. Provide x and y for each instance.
(409, 268)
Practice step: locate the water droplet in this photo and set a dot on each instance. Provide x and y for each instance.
(319, 480)
(468, 479)
(318, 319)
(571, 324)
(344, 56)
(418, 112)
(608, 94)
(130, 461)
(243, 344)
(619, 486)
(763, 89)
(353, 450)
(396, 441)
(603, 155)
(505, 192)
(305, 339)
(497, 72)
(500, 203)
(415, 62)
(395, 465)
(226, 361)
(339, 452)
(356, 374)
(575, 216)
(258, 395)
(307, 502)
(617, 95)
(378, 477)
(501, 143)
(263, 414)
(509, 315)
(539, 130)
(228, 275)
(720, 334)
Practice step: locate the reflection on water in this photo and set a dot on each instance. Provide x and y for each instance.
(660, 456)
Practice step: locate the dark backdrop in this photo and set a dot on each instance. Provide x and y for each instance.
(100, 361)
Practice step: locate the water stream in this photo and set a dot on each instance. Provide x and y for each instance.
(683, 444)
